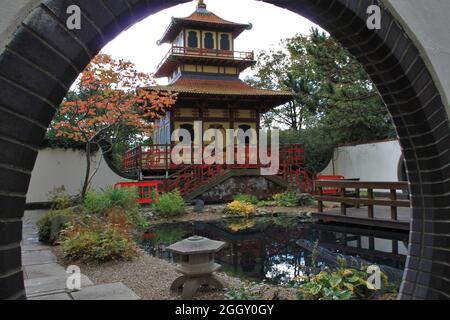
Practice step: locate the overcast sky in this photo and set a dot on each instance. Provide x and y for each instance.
(270, 25)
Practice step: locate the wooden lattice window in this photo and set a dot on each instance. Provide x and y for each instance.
(209, 40)
(225, 42)
(192, 39)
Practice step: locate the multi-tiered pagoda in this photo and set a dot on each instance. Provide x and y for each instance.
(203, 69)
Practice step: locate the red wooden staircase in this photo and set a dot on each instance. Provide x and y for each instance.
(192, 180)
(192, 177)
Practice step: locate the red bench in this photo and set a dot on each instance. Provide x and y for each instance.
(146, 189)
(329, 191)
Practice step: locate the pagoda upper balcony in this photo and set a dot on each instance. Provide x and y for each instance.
(178, 55)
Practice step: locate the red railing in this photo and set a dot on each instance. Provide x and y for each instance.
(158, 157)
(131, 160)
(199, 52)
(190, 176)
(151, 157)
(148, 190)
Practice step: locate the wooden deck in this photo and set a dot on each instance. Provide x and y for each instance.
(358, 216)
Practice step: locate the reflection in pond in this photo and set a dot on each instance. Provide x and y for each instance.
(278, 249)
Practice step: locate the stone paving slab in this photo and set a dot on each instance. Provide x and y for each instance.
(30, 238)
(57, 296)
(29, 241)
(49, 285)
(30, 258)
(33, 247)
(110, 291)
(31, 217)
(44, 270)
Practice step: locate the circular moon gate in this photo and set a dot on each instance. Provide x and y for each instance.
(43, 59)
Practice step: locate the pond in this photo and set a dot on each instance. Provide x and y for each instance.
(276, 250)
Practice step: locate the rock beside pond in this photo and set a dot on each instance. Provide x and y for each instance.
(199, 205)
(147, 213)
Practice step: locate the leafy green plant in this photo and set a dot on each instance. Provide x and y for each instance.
(246, 198)
(286, 199)
(267, 203)
(342, 284)
(137, 219)
(248, 291)
(45, 230)
(97, 202)
(92, 239)
(169, 204)
(60, 199)
(292, 199)
(103, 202)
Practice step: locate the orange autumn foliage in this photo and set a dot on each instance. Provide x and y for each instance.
(108, 98)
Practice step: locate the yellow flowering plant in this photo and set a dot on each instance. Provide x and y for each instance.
(241, 208)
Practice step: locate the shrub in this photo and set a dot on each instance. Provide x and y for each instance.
(137, 219)
(240, 208)
(292, 199)
(99, 202)
(247, 198)
(267, 203)
(60, 199)
(51, 223)
(92, 239)
(169, 204)
(102, 203)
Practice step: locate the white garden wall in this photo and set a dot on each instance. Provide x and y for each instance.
(57, 167)
(369, 162)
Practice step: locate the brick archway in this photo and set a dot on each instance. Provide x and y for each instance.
(43, 59)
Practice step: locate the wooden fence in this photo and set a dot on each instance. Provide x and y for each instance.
(350, 194)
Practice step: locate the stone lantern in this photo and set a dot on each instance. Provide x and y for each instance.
(195, 256)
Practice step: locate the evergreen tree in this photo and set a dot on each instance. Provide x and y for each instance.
(335, 101)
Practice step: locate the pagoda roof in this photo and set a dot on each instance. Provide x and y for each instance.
(192, 85)
(202, 17)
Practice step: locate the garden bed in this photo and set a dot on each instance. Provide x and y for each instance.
(151, 277)
(107, 233)
(216, 212)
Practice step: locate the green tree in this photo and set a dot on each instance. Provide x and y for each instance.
(335, 101)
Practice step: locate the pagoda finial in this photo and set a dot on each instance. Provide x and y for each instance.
(201, 5)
